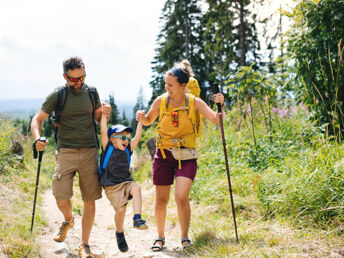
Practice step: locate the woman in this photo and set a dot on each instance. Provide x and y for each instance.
(175, 156)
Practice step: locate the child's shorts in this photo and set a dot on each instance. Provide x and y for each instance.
(164, 170)
(119, 195)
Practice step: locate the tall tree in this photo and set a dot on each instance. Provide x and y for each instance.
(125, 120)
(140, 105)
(114, 110)
(231, 36)
(315, 45)
(178, 39)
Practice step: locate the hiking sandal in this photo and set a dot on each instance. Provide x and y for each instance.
(186, 240)
(156, 247)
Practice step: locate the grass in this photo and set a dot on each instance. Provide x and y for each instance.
(17, 187)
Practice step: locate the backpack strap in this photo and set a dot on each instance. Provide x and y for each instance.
(128, 155)
(163, 105)
(62, 93)
(105, 157)
(92, 93)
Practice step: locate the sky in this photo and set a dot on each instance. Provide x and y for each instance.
(116, 40)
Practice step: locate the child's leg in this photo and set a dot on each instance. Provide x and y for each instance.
(135, 192)
(119, 219)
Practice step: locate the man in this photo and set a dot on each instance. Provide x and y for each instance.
(76, 148)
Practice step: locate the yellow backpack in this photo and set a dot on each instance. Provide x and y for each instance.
(193, 91)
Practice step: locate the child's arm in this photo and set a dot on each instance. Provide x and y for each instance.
(137, 137)
(103, 131)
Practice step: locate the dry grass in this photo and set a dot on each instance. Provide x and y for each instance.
(214, 235)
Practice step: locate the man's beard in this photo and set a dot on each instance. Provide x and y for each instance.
(76, 90)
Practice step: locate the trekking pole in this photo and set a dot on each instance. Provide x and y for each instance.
(217, 90)
(40, 156)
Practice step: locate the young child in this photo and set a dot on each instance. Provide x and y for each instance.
(116, 178)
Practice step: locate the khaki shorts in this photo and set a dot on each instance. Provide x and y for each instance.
(119, 195)
(81, 160)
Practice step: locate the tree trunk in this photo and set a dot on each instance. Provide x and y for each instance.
(242, 35)
(187, 32)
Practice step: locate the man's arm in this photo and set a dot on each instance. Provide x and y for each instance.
(36, 127)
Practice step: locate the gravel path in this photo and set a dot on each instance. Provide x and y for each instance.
(102, 241)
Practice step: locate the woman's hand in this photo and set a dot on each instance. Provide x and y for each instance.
(219, 98)
(140, 115)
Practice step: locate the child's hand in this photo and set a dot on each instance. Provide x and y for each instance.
(140, 115)
(106, 110)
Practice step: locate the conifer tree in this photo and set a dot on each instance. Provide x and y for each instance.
(140, 105)
(114, 110)
(179, 39)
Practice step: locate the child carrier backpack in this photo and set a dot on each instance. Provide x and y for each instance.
(105, 156)
(62, 93)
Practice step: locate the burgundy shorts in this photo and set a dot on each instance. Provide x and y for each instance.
(164, 170)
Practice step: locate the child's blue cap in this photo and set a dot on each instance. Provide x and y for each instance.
(118, 129)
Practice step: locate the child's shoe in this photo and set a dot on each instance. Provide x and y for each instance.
(140, 224)
(121, 243)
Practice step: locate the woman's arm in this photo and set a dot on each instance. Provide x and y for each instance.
(206, 111)
(135, 141)
(152, 114)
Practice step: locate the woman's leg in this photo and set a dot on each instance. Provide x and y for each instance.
(182, 190)
(162, 196)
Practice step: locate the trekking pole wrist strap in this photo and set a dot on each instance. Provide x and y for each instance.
(35, 153)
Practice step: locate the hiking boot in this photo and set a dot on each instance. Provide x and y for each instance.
(60, 236)
(140, 224)
(85, 251)
(121, 243)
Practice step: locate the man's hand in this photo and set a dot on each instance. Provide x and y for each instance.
(41, 145)
(106, 110)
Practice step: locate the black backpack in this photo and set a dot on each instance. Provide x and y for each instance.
(61, 101)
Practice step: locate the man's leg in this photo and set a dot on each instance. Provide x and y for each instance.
(87, 220)
(65, 206)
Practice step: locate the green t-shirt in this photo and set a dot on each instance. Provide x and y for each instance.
(76, 127)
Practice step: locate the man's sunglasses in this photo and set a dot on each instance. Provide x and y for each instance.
(73, 79)
(123, 137)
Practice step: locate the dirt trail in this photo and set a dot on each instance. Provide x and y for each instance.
(102, 240)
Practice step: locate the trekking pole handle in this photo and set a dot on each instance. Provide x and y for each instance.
(40, 153)
(216, 90)
(41, 139)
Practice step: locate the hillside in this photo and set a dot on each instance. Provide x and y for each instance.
(23, 108)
